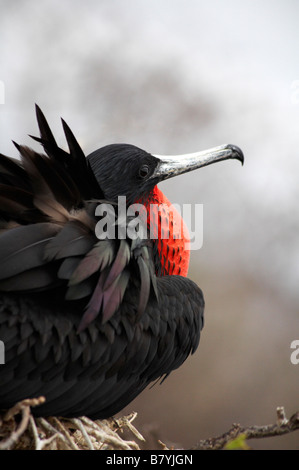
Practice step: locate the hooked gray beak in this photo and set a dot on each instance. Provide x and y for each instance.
(173, 165)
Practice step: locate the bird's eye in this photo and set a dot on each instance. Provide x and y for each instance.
(144, 170)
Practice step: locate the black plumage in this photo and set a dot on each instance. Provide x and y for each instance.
(86, 322)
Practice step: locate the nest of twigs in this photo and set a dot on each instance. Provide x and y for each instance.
(20, 430)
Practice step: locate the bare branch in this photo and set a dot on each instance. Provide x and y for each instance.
(83, 433)
(28, 403)
(22, 407)
(59, 433)
(15, 435)
(282, 426)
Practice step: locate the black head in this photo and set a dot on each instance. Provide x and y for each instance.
(124, 170)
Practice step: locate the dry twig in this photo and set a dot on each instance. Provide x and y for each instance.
(59, 433)
(282, 426)
(22, 407)
(83, 433)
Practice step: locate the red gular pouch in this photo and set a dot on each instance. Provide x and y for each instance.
(169, 233)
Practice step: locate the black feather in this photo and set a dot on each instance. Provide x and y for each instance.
(22, 248)
(85, 321)
(73, 240)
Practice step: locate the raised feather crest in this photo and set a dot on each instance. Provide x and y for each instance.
(47, 231)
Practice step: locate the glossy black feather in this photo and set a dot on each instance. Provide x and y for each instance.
(74, 162)
(85, 322)
(22, 248)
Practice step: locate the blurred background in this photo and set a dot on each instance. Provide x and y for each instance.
(174, 77)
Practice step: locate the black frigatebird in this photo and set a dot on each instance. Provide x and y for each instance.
(89, 320)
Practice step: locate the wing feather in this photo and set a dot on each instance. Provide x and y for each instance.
(22, 248)
(47, 232)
